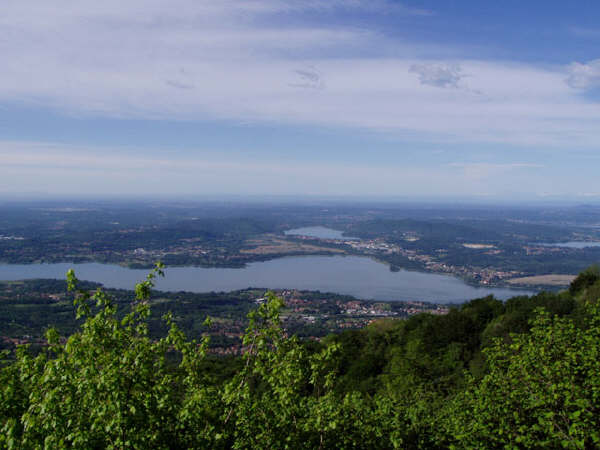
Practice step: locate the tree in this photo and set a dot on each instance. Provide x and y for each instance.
(542, 389)
(585, 279)
(108, 385)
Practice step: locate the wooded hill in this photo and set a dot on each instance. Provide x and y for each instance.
(524, 373)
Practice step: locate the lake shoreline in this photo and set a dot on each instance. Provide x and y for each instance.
(359, 276)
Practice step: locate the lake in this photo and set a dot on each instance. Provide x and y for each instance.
(352, 275)
(320, 232)
(571, 244)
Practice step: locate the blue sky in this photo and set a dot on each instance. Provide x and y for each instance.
(415, 99)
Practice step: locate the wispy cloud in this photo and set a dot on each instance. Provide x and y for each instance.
(382, 6)
(249, 61)
(179, 84)
(481, 170)
(584, 75)
(438, 75)
(71, 169)
(59, 169)
(310, 78)
(502, 166)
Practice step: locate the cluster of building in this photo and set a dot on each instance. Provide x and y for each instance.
(484, 276)
(541, 249)
(374, 245)
(325, 316)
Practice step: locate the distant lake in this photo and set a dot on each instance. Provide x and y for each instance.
(351, 275)
(319, 232)
(571, 244)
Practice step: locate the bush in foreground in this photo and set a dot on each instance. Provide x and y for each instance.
(110, 386)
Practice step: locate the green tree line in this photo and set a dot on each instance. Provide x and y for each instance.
(524, 373)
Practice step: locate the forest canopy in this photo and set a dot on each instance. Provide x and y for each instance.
(522, 373)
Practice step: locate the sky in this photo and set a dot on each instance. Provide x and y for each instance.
(414, 99)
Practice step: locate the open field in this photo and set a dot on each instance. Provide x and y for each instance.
(276, 246)
(549, 280)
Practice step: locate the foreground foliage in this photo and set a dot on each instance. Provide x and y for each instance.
(520, 374)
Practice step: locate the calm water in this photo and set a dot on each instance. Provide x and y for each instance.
(572, 244)
(353, 275)
(320, 232)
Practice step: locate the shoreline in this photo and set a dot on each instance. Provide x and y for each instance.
(148, 266)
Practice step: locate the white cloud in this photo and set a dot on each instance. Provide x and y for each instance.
(438, 75)
(245, 61)
(480, 171)
(584, 75)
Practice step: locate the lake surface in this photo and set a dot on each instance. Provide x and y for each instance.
(571, 244)
(319, 232)
(352, 275)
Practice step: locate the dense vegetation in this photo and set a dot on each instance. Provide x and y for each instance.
(519, 374)
(29, 307)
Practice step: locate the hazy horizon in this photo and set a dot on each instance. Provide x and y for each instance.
(282, 199)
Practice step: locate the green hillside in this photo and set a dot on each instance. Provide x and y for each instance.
(524, 373)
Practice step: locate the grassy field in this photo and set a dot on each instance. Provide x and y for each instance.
(547, 280)
(270, 246)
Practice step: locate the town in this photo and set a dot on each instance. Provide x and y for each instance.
(29, 307)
